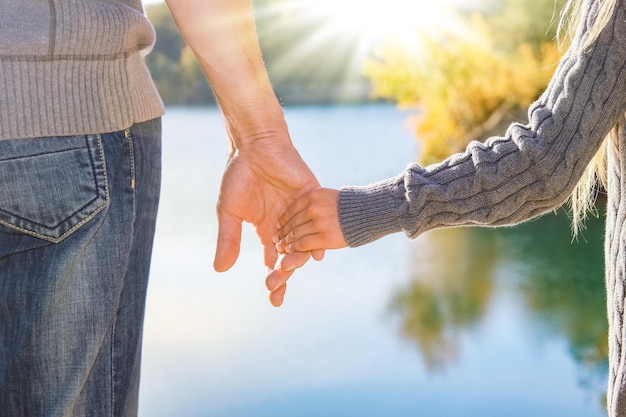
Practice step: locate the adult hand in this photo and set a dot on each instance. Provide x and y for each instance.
(262, 178)
(276, 281)
(264, 173)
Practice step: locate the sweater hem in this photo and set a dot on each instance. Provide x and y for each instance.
(61, 97)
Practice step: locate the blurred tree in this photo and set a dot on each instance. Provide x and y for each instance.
(519, 21)
(173, 66)
(169, 42)
(194, 85)
(465, 86)
(305, 64)
(456, 272)
(563, 284)
(449, 293)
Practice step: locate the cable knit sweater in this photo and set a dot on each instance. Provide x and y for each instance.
(530, 170)
(73, 67)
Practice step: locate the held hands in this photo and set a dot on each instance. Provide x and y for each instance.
(265, 173)
(311, 223)
(262, 177)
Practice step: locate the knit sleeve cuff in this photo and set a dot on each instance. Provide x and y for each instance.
(370, 212)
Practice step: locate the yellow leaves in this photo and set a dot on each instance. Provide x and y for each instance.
(462, 85)
(399, 77)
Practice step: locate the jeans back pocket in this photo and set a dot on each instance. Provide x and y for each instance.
(49, 187)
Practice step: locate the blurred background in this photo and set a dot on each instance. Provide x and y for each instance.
(458, 322)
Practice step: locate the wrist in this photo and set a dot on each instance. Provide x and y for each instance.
(257, 121)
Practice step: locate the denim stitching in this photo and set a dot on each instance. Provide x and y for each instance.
(86, 219)
(34, 155)
(72, 214)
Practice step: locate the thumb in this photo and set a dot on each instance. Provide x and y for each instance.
(228, 241)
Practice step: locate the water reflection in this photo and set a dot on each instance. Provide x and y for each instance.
(213, 346)
(451, 285)
(456, 273)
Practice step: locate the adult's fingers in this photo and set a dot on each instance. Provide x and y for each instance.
(277, 296)
(284, 268)
(293, 235)
(276, 280)
(228, 241)
(318, 254)
(276, 283)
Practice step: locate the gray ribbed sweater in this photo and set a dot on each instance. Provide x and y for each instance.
(530, 170)
(73, 67)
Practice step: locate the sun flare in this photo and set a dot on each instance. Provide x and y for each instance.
(376, 21)
(359, 27)
(333, 39)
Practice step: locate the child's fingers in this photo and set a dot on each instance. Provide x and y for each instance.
(284, 268)
(298, 232)
(295, 208)
(314, 213)
(296, 221)
(306, 244)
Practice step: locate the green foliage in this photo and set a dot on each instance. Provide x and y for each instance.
(518, 21)
(305, 63)
(465, 86)
(310, 63)
(457, 272)
(304, 67)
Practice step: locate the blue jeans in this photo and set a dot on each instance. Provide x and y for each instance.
(77, 217)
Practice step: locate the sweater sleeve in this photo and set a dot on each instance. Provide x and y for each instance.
(506, 180)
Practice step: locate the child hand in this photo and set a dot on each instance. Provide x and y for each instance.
(311, 223)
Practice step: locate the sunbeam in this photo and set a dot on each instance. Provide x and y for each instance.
(341, 34)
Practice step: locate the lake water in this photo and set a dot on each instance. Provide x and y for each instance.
(459, 322)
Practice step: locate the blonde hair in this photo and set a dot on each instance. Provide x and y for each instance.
(583, 197)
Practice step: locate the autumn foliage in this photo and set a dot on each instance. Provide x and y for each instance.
(463, 86)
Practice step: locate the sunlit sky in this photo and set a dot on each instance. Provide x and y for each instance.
(363, 25)
(372, 20)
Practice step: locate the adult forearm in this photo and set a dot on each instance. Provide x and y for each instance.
(223, 37)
